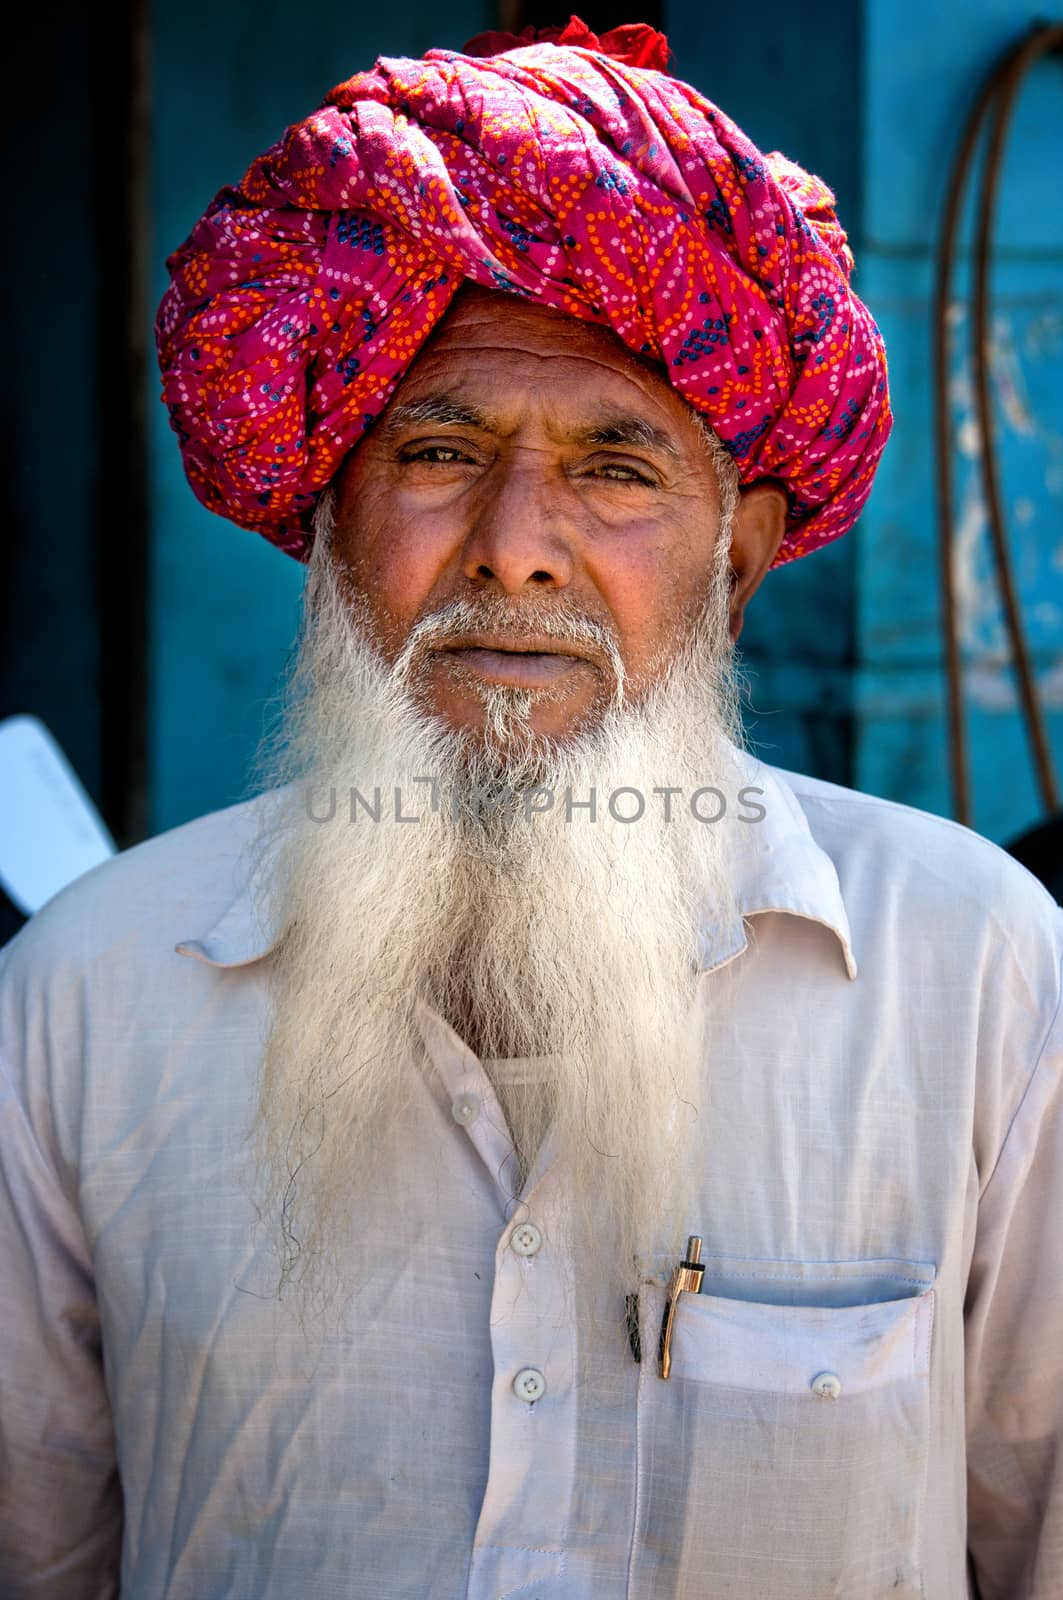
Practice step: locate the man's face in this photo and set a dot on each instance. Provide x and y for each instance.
(530, 460)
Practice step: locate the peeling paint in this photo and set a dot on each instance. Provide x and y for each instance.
(1009, 380)
(969, 438)
(972, 581)
(1016, 360)
(991, 686)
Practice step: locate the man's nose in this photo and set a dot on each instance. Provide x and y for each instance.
(521, 536)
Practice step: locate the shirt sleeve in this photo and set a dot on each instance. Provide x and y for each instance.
(1014, 1351)
(60, 1498)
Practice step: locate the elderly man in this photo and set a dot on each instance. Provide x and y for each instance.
(352, 1137)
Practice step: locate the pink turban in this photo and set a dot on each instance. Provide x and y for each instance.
(584, 178)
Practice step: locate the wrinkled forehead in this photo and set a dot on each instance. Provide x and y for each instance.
(495, 315)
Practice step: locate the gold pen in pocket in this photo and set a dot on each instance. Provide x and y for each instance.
(686, 1279)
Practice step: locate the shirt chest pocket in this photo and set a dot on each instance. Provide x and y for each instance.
(785, 1457)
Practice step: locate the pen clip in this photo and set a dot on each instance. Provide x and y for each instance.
(686, 1279)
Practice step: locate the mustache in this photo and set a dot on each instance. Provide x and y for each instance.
(556, 620)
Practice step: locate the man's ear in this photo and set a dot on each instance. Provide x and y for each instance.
(759, 526)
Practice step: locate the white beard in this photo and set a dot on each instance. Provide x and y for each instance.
(573, 940)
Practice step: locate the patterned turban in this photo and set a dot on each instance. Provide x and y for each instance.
(569, 170)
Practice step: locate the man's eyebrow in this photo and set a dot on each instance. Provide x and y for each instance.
(612, 429)
(627, 430)
(442, 409)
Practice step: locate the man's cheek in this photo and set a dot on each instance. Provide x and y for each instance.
(413, 551)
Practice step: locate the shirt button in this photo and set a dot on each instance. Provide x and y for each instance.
(529, 1384)
(465, 1109)
(827, 1385)
(526, 1239)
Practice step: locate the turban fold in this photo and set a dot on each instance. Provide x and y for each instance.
(562, 173)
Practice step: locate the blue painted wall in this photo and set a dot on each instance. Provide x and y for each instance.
(844, 649)
(922, 68)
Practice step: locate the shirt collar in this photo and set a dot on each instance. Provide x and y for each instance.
(779, 867)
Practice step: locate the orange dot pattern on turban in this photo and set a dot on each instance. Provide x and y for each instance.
(554, 171)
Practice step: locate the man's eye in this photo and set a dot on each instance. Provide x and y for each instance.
(436, 451)
(621, 472)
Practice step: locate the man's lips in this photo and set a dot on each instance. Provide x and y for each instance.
(520, 663)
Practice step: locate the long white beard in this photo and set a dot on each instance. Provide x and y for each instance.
(551, 934)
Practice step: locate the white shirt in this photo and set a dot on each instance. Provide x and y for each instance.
(869, 1386)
